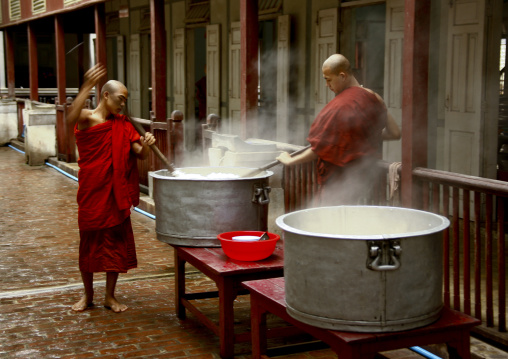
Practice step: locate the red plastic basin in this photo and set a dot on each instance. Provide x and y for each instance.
(248, 251)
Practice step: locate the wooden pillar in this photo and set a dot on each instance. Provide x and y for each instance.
(33, 71)
(9, 50)
(60, 59)
(65, 139)
(3, 77)
(414, 95)
(177, 138)
(100, 42)
(249, 68)
(158, 43)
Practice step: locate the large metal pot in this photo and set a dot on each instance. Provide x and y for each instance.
(193, 211)
(363, 268)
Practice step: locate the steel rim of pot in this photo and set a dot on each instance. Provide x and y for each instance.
(445, 223)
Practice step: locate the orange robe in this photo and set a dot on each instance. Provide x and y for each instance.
(108, 188)
(346, 136)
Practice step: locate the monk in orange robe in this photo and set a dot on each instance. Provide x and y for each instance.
(108, 148)
(346, 137)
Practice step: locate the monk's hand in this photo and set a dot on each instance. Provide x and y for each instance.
(148, 139)
(93, 75)
(285, 159)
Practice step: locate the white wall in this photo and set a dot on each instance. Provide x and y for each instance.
(8, 121)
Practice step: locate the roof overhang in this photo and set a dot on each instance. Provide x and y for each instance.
(65, 10)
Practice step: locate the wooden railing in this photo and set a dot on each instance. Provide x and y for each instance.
(474, 244)
(169, 139)
(300, 186)
(65, 139)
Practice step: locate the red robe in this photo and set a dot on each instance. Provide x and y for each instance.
(346, 136)
(108, 188)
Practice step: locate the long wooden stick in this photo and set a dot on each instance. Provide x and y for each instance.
(154, 147)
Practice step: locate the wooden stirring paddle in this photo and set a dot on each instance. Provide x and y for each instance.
(154, 147)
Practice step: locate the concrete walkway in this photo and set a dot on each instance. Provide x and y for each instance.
(40, 280)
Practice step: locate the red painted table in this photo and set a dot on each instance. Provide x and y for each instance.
(228, 275)
(268, 296)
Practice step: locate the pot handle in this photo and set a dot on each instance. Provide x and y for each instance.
(384, 255)
(260, 194)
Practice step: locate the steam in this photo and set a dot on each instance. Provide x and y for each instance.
(352, 185)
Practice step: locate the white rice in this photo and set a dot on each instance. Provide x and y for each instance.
(213, 175)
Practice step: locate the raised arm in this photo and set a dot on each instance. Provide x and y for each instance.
(92, 77)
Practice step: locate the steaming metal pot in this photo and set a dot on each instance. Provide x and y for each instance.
(192, 211)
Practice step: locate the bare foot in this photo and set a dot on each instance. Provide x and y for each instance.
(82, 304)
(114, 305)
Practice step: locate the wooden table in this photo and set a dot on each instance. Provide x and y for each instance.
(228, 275)
(268, 296)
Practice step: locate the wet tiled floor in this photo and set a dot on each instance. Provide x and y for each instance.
(40, 280)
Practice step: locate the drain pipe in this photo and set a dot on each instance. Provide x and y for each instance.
(424, 353)
(62, 171)
(15, 149)
(145, 213)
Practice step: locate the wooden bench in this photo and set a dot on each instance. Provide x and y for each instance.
(228, 275)
(268, 296)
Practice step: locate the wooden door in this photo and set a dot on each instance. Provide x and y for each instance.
(213, 69)
(326, 45)
(283, 67)
(235, 72)
(179, 68)
(134, 76)
(394, 40)
(464, 87)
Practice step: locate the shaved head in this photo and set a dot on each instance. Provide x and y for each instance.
(114, 96)
(112, 86)
(337, 63)
(338, 73)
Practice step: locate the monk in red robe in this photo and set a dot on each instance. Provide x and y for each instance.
(108, 148)
(346, 137)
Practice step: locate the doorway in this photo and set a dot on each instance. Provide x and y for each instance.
(369, 46)
(200, 93)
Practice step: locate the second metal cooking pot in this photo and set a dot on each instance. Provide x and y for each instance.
(193, 211)
(363, 268)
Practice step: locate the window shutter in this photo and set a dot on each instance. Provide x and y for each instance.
(197, 12)
(38, 6)
(14, 9)
(269, 6)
